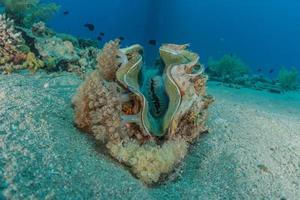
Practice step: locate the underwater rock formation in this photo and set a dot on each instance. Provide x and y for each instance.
(40, 47)
(59, 52)
(56, 48)
(145, 116)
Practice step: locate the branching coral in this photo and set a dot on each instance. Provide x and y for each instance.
(288, 79)
(228, 68)
(28, 12)
(10, 41)
(145, 117)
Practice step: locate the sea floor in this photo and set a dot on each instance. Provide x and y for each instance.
(251, 152)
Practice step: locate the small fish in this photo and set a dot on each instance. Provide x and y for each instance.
(101, 34)
(121, 38)
(259, 70)
(99, 38)
(66, 12)
(90, 26)
(271, 71)
(152, 42)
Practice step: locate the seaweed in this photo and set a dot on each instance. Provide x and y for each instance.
(288, 79)
(27, 12)
(228, 68)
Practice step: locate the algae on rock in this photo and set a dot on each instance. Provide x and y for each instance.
(288, 79)
(228, 68)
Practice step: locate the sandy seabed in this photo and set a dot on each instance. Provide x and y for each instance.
(251, 152)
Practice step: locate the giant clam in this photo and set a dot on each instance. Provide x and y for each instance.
(145, 116)
(165, 93)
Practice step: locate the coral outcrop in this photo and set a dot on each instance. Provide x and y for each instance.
(10, 42)
(56, 48)
(146, 117)
(59, 52)
(30, 44)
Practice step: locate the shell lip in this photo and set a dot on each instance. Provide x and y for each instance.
(177, 57)
(138, 93)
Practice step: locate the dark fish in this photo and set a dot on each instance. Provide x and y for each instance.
(259, 70)
(99, 38)
(90, 26)
(101, 33)
(271, 71)
(66, 12)
(152, 42)
(121, 38)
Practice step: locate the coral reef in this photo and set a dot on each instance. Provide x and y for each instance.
(288, 79)
(40, 29)
(59, 52)
(145, 116)
(85, 43)
(70, 38)
(229, 68)
(33, 43)
(10, 42)
(28, 12)
(231, 71)
(40, 47)
(56, 48)
(32, 63)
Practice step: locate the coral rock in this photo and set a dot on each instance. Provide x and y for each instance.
(56, 48)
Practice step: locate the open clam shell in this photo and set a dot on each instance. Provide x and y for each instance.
(161, 95)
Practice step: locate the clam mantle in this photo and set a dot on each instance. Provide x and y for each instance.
(165, 92)
(145, 116)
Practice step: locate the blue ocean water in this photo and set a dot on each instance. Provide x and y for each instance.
(52, 84)
(264, 33)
